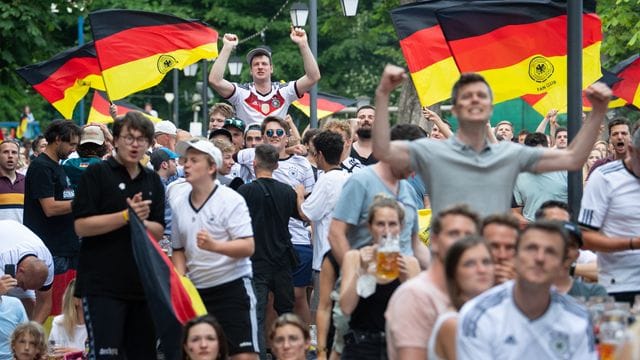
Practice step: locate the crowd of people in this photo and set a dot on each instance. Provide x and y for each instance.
(308, 245)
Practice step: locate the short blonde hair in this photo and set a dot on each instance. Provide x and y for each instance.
(224, 145)
(338, 125)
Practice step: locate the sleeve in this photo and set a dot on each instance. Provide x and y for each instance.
(595, 202)
(290, 92)
(419, 154)
(473, 341)
(177, 237)
(518, 200)
(347, 209)
(157, 200)
(528, 156)
(315, 207)
(40, 182)
(410, 318)
(237, 95)
(88, 193)
(238, 219)
(309, 180)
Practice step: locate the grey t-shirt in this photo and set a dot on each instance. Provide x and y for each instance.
(356, 198)
(456, 173)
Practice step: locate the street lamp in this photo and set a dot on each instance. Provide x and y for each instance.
(299, 13)
(349, 7)
(235, 65)
(191, 70)
(169, 98)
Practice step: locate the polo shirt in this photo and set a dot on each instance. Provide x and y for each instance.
(491, 326)
(46, 179)
(610, 205)
(456, 173)
(12, 198)
(106, 265)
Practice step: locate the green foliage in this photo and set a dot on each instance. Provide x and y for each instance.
(621, 26)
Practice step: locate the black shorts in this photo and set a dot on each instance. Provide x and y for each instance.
(234, 305)
(119, 329)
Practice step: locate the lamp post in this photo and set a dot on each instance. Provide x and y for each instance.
(235, 66)
(169, 97)
(299, 15)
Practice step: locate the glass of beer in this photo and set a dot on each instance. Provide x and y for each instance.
(387, 257)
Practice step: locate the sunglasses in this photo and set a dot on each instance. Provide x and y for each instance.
(277, 132)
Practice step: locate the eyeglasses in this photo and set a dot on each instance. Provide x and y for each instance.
(129, 140)
(277, 132)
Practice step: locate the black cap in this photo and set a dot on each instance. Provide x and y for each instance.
(224, 132)
(234, 122)
(258, 51)
(574, 232)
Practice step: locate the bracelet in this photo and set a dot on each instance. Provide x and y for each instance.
(321, 350)
(125, 215)
(631, 244)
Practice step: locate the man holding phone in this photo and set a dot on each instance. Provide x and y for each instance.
(27, 266)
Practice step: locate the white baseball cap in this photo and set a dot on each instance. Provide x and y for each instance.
(166, 127)
(202, 146)
(92, 134)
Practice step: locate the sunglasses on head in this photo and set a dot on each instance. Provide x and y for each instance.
(277, 132)
(235, 123)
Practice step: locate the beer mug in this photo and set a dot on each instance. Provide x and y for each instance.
(387, 257)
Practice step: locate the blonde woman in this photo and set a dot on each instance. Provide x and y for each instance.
(68, 331)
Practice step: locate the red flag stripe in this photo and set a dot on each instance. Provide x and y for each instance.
(66, 76)
(424, 48)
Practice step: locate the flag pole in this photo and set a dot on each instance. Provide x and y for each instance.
(574, 95)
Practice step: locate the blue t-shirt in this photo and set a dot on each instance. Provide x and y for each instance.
(356, 198)
(12, 314)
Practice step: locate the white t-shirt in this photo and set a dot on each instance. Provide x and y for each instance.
(492, 327)
(253, 107)
(431, 350)
(294, 170)
(225, 216)
(318, 208)
(611, 204)
(62, 339)
(16, 243)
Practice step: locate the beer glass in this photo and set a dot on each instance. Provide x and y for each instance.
(387, 257)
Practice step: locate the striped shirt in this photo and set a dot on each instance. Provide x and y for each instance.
(12, 198)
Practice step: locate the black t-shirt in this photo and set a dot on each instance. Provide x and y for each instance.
(270, 225)
(107, 266)
(46, 178)
(364, 161)
(369, 313)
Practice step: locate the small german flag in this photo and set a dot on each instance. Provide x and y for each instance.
(66, 78)
(172, 299)
(136, 49)
(99, 112)
(520, 47)
(327, 104)
(629, 86)
(425, 50)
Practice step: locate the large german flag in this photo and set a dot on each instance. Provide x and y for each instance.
(327, 104)
(629, 86)
(136, 48)
(425, 50)
(65, 78)
(99, 112)
(172, 299)
(520, 47)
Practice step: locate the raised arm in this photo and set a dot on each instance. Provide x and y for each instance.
(428, 114)
(394, 153)
(216, 76)
(311, 69)
(576, 154)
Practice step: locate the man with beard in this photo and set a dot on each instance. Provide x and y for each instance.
(47, 203)
(11, 182)
(362, 150)
(619, 137)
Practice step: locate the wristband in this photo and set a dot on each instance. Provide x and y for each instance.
(125, 215)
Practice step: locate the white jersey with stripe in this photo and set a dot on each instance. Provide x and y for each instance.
(252, 106)
(611, 205)
(491, 326)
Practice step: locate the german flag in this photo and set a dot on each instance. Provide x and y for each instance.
(172, 299)
(327, 104)
(136, 49)
(99, 112)
(520, 47)
(433, 69)
(66, 78)
(629, 86)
